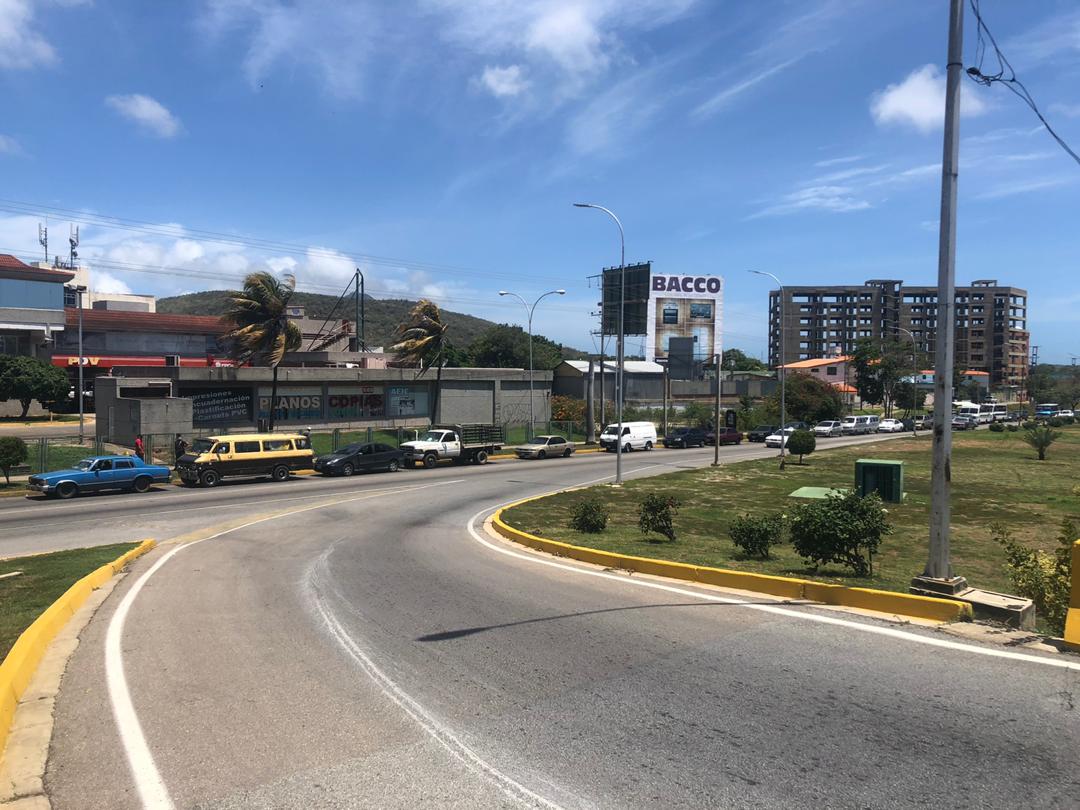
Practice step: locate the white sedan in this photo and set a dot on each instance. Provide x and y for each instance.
(890, 426)
(828, 428)
(776, 440)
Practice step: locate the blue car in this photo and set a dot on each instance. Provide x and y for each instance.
(100, 473)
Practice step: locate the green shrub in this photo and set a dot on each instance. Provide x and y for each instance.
(13, 451)
(1044, 578)
(589, 516)
(657, 515)
(756, 534)
(997, 427)
(1030, 424)
(1070, 420)
(1055, 421)
(845, 529)
(1012, 427)
(801, 443)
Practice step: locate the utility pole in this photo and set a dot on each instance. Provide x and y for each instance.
(782, 371)
(938, 576)
(43, 238)
(530, 310)
(359, 343)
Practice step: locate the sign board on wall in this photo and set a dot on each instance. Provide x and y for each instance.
(293, 404)
(355, 402)
(221, 406)
(407, 400)
(685, 306)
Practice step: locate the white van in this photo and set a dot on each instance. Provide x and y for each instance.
(859, 425)
(636, 436)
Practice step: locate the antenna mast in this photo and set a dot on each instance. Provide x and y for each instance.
(43, 238)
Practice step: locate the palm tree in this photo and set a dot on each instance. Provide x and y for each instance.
(422, 341)
(1040, 439)
(261, 326)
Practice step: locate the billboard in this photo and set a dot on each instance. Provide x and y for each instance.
(684, 306)
(636, 299)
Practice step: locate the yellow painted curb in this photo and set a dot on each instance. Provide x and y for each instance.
(22, 660)
(1072, 619)
(892, 602)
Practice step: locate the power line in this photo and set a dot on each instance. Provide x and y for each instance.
(1005, 75)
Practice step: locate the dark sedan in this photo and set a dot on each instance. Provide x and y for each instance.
(685, 437)
(360, 457)
(727, 436)
(761, 432)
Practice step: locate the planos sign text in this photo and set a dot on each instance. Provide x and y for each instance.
(686, 284)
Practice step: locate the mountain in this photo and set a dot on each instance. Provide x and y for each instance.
(383, 316)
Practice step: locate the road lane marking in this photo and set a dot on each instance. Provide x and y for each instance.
(890, 632)
(438, 731)
(153, 793)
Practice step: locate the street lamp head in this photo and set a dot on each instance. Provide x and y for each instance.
(503, 292)
(582, 205)
(560, 292)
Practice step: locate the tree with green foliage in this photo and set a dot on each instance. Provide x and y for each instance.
(880, 366)
(1040, 383)
(657, 515)
(699, 415)
(261, 329)
(808, 399)
(757, 534)
(506, 346)
(737, 360)
(1044, 578)
(423, 342)
(27, 378)
(1040, 438)
(567, 409)
(1067, 390)
(801, 443)
(845, 529)
(13, 451)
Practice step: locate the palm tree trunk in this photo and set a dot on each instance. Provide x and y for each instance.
(273, 400)
(438, 388)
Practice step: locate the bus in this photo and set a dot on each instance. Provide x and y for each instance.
(1046, 410)
(966, 408)
(993, 412)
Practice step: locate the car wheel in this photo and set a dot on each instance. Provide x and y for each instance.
(280, 473)
(430, 460)
(481, 457)
(67, 490)
(347, 469)
(209, 478)
(392, 466)
(567, 452)
(648, 445)
(542, 454)
(141, 484)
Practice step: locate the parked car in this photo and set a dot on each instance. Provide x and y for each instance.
(635, 436)
(727, 436)
(858, 425)
(100, 473)
(964, 422)
(828, 428)
(761, 432)
(359, 457)
(777, 439)
(545, 446)
(890, 426)
(1065, 413)
(685, 437)
(473, 443)
(924, 421)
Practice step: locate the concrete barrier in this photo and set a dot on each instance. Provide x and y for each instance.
(890, 602)
(1072, 620)
(21, 662)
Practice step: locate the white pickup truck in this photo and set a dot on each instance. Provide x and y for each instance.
(459, 443)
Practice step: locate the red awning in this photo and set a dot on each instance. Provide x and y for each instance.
(112, 361)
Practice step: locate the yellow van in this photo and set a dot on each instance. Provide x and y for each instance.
(212, 458)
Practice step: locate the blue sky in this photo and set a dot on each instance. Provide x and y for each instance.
(440, 144)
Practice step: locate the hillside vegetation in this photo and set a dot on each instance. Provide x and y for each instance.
(382, 315)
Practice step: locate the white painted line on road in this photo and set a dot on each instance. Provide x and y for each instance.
(441, 733)
(153, 793)
(773, 609)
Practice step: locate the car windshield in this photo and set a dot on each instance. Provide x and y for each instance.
(612, 429)
(202, 445)
(433, 436)
(85, 464)
(349, 449)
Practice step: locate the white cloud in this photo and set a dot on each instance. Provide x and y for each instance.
(148, 113)
(503, 82)
(919, 101)
(607, 122)
(21, 44)
(836, 199)
(1023, 187)
(722, 99)
(107, 283)
(1056, 37)
(8, 145)
(1067, 110)
(821, 164)
(848, 174)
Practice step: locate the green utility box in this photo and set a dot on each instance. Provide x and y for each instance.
(886, 478)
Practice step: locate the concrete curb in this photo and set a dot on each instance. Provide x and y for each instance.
(19, 666)
(1072, 618)
(890, 602)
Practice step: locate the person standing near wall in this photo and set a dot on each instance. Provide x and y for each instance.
(140, 448)
(179, 448)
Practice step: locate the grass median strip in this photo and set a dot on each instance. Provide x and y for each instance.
(996, 478)
(44, 578)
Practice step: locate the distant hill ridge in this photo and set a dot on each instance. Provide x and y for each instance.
(382, 315)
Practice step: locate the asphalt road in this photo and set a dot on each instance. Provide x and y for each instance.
(379, 650)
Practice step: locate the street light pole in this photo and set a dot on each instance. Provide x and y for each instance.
(716, 416)
(530, 311)
(619, 394)
(914, 376)
(79, 289)
(783, 371)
